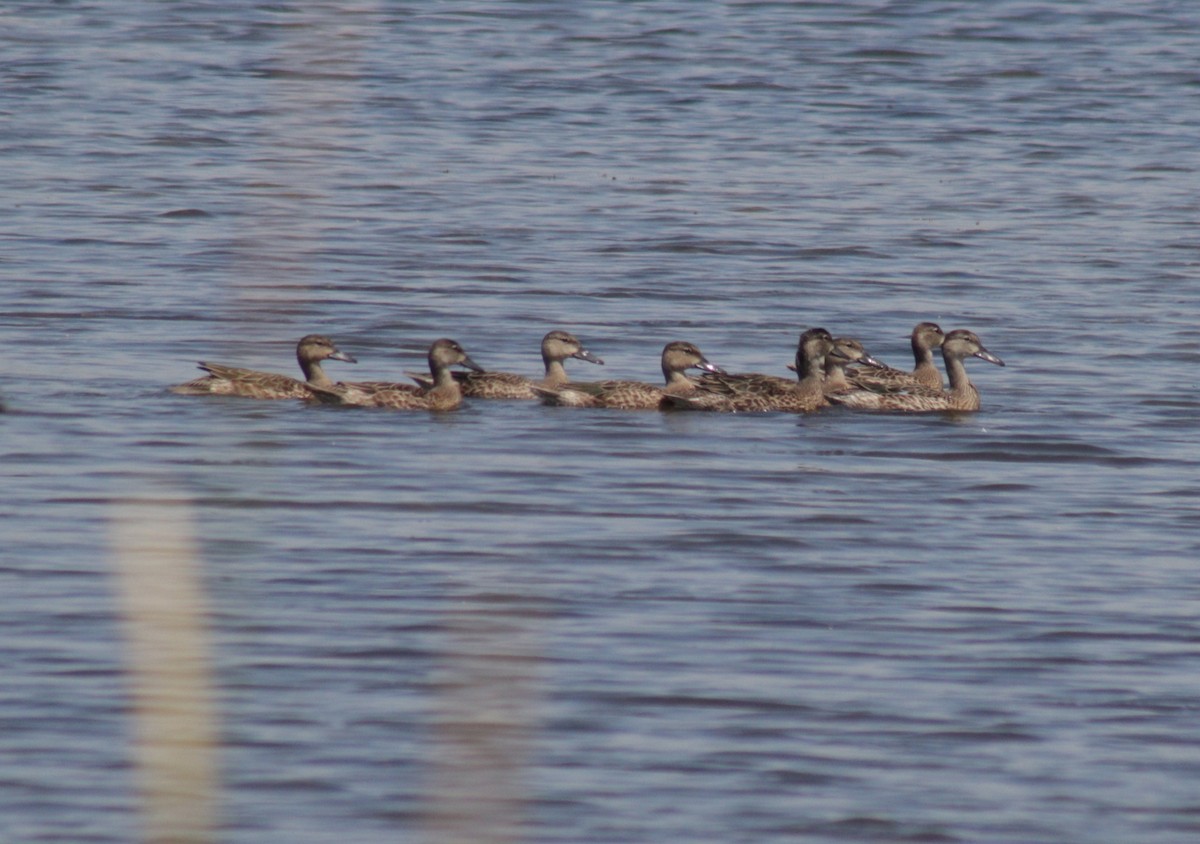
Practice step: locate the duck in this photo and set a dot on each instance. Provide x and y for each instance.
(225, 380)
(926, 336)
(677, 357)
(846, 351)
(443, 393)
(557, 346)
(962, 395)
(755, 392)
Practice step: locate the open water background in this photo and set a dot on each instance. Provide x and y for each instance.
(668, 628)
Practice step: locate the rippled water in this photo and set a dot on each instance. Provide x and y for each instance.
(527, 623)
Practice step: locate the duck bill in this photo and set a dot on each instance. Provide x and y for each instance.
(867, 360)
(710, 367)
(984, 354)
(470, 364)
(342, 356)
(584, 354)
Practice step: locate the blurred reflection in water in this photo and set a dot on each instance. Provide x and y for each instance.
(164, 616)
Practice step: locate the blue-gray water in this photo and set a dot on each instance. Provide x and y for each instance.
(681, 627)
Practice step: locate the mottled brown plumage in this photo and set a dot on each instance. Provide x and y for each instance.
(926, 337)
(755, 392)
(250, 383)
(962, 395)
(846, 351)
(677, 357)
(442, 394)
(557, 346)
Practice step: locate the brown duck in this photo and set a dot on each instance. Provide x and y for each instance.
(442, 394)
(755, 392)
(926, 336)
(962, 395)
(231, 381)
(557, 346)
(677, 357)
(846, 352)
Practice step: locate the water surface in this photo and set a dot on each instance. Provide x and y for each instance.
(527, 623)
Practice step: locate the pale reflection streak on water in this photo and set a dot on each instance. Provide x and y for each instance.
(720, 628)
(164, 616)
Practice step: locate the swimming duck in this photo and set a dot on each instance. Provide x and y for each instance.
(755, 392)
(557, 346)
(926, 336)
(677, 357)
(962, 395)
(230, 381)
(443, 394)
(846, 351)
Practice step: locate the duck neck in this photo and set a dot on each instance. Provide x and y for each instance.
(835, 375)
(314, 374)
(443, 378)
(809, 369)
(675, 377)
(922, 355)
(556, 373)
(925, 364)
(957, 373)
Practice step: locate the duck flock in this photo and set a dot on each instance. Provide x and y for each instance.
(828, 370)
